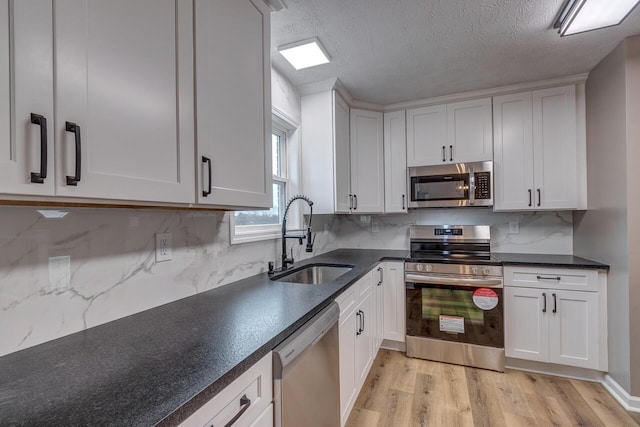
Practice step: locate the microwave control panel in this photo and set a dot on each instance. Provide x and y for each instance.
(483, 185)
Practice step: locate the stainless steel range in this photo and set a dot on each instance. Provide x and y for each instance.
(454, 297)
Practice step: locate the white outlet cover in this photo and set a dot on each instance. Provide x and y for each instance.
(163, 247)
(514, 227)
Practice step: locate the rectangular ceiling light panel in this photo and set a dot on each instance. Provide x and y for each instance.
(579, 16)
(304, 54)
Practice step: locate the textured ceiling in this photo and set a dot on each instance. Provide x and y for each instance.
(388, 51)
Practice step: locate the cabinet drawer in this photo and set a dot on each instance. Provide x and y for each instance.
(551, 278)
(253, 390)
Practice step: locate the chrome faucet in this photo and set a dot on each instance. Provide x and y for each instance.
(310, 239)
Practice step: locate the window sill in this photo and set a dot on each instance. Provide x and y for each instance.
(254, 237)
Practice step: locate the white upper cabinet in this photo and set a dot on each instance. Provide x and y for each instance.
(26, 116)
(450, 133)
(535, 150)
(326, 158)
(124, 99)
(470, 131)
(426, 135)
(395, 162)
(342, 156)
(367, 164)
(233, 104)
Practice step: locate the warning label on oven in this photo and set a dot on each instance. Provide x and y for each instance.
(453, 324)
(485, 298)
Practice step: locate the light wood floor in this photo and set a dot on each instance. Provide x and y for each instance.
(400, 391)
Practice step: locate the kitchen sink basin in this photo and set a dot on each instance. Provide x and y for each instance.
(314, 274)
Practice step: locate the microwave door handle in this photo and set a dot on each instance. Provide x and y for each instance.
(434, 280)
(472, 187)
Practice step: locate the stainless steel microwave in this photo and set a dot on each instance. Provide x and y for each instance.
(452, 185)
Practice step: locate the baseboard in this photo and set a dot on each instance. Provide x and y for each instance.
(394, 345)
(628, 402)
(556, 370)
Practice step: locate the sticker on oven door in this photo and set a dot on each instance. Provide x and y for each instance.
(485, 298)
(454, 324)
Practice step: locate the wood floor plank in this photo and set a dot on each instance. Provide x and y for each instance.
(603, 404)
(400, 392)
(573, 405)
(363, 418)
(484, 404)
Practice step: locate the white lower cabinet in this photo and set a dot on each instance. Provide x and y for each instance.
(394, 302)
(359, 344)
(551, 325)
(251, 395)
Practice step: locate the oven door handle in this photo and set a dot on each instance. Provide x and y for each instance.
(472, 187)
(436, 280)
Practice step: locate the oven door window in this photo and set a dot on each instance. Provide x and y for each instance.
(440, 187)
(449, 313)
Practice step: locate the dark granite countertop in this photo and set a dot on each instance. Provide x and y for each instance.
(159, 366)
(540, 260)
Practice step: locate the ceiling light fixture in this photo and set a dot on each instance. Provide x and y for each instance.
(579, 16)
(305, 53)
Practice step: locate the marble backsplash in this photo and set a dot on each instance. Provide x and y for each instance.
(114, 273)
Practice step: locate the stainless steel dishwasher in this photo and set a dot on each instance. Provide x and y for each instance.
(306, 374)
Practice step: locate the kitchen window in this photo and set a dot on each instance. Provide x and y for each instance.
(251, 226)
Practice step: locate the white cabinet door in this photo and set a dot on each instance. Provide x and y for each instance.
(365, 340)
(342, 156)
(427, 136)
(513, 152)
(124, 99)
(347, 330)
(395, 162)
(233, 105)
(526, 323)
(367, 164)
(28, 53)
(394, 302)
(555, 148)
(574, 328)
(265, 419)
(470, 131)
(379, 282)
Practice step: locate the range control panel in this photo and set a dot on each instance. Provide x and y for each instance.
(483, 185)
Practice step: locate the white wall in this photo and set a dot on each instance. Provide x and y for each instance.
(601, 233)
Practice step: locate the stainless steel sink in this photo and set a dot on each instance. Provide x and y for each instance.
(314, 274)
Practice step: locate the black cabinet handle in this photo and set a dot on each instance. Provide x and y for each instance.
(544, 307)
(363, 321)
(444, 154)
(555, 304)
(355, 202)
(72, 127)
(381, 277)
(539, 197)
(403, 197)
(245, 402)
(39, 177)
(207, 160)
(529, 197)
(451, 153)
(359, 331)
(558, 278)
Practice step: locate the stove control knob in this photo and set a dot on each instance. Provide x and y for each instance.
(419, 267)
(486, 271)
(474, 270)
(428, 267)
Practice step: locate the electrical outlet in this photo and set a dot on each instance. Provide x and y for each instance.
(326, 229)
(514, 227)
(374, 226)
(60, 273)
(163, 247)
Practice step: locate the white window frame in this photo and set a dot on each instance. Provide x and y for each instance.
(256, 233)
